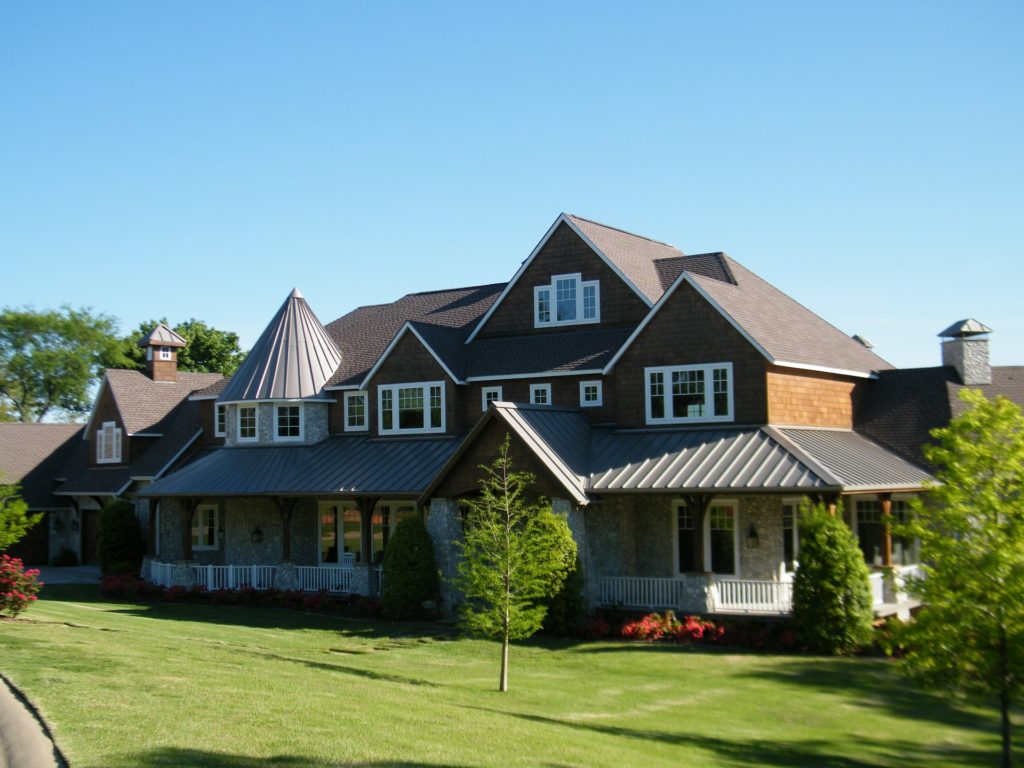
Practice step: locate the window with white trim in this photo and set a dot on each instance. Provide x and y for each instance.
(288, 421)
(488, 395)
(540, 394)
(410, 408)
(220, 427)
(689, 393)
(204, 526)
(790, 535)
(721, 539)
(686, 540)
(591, 394)
(567, 300)
(108, 443)
(247, 423)
(165, 353)
(341, 531)
(355, 412)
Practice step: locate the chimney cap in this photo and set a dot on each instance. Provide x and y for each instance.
(862, 341)
(162, 336)
(965, 329)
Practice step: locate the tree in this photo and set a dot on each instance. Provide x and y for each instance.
(411, 580)
(969, 636)
(14, 517)
(209, 350)
(831, 594)
(514, 555)
(50, 359)
(119, 538)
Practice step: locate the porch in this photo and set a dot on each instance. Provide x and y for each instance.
(340, 580)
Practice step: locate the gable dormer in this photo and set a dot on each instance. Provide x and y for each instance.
(162, 345)
(569, 280)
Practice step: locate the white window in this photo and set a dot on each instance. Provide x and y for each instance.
(108, 443)
(165, 353)
(221, 426)
(540, 394)
(790, 535)
(686, 540)
(204, 526)
(341, 532)
(721, 539)
(689, 393)
(590, 394)
(248, 431)
(410, 408)
(568, 300)
(288, 421)
(488, 395)
(355, 412)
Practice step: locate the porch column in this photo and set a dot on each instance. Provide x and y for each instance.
(885, 502)
(189, 507)
(699, 503)
(285, 507)
(366, 506)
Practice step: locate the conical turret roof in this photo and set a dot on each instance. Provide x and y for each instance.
(293, 358)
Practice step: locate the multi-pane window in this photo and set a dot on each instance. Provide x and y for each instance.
(488, 395)
(567, 300)
(204, 526)
(108, 443)
(385, 519)
(340, 532)
(590, 394)
(222, 421)
(721, 555)
(289, 422)
(247, 422)
(870, 524)
(540, 394)
(696, 393)
(411, 407)
(165, 353)
(686, 540)
(355, 412)
(790, 536)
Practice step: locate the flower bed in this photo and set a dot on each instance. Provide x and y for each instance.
(18, 587)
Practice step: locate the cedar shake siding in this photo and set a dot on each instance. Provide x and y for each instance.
(409, 363)
(565, 392)
(208, 422)
(464, 478)
(565, 253)
(688, 331)
(809, 398)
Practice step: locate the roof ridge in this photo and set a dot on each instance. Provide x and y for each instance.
(623, 231)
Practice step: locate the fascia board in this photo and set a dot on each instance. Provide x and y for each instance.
(394, 342)
(92, 415)
(170, 463)
(538, 374)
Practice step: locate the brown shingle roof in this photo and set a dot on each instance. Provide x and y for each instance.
(32, 455)
(143, 402)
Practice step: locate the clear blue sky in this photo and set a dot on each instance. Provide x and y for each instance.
(196, 159)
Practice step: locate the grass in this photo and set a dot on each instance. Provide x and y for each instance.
(173, 685)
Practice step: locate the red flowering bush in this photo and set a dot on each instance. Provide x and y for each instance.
(18, 587)
(655, 626)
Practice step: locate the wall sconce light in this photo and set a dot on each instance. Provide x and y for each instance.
(257, 535)
(752, 539)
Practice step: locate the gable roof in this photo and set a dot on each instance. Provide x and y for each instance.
(33, 455)
(292, 359)
(780, 328)
(144, 403)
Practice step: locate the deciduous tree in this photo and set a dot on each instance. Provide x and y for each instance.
(209, 349)
(969, 637)
(515, 554)
(14, 517)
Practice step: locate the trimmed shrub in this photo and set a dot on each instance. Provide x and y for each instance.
(831, 593)
(566, 614)
(411, 586)
(119, 539)
(18, 587)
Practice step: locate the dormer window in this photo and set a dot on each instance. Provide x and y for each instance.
(410, 408)
(108, 443)
(568, 300)
(689, 393)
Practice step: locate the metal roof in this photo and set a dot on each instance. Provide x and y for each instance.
(965, 328)
(355, 465)
(729, 459)
(292, 359)
(162, 336)
(851, 460)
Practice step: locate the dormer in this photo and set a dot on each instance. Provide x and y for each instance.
(162, 345)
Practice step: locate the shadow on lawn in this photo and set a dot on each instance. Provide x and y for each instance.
(340, 668)
(802, 754)
(196, 757)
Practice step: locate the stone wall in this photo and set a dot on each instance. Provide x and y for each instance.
(314, 425)
(445, 528)
(765, 560)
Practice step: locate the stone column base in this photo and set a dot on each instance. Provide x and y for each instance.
(183, 575)
(286, 577)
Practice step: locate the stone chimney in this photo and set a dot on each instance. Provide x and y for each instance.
(965, 347)
(162, 345)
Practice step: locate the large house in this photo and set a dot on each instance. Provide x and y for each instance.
(677, 409)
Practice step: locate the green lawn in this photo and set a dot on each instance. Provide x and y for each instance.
(139, 685)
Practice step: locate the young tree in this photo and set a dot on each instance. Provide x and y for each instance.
(831, 593)
(514, 555)
(209, 349)
(49, 360)
(969, 636)
(14, 517)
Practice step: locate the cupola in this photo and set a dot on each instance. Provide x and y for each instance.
(162, 345)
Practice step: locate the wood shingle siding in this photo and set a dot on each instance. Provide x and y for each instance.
(810, 398)
(688, 331)
(564, 253)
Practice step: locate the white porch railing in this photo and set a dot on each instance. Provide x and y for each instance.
(313, 579)
(749, 596)
(877, 581)
(639, 592)
(161, 573)
(214, 577)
